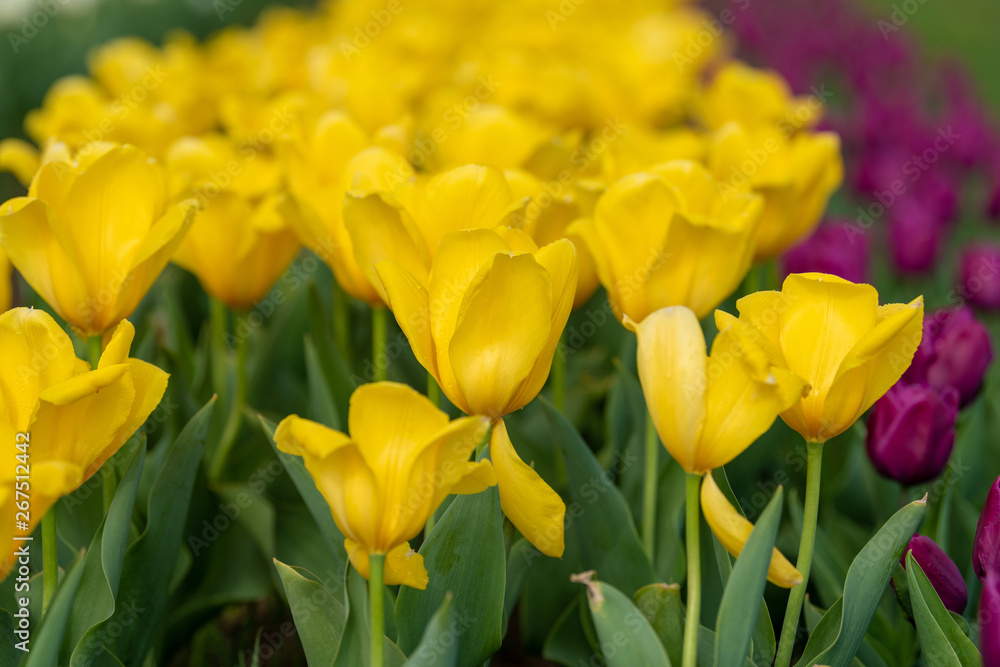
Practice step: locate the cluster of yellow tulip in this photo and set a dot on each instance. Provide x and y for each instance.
(479, 173)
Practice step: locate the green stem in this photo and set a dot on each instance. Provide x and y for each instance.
(50, 558)
(110, 481)
(235, 417)
(219, 326)
(751, 283)
(341, 321)
(649, 489)
(433, 390)
(559, 376)
(376, 598)
(790, 625)
(693, 539)
(380, 329)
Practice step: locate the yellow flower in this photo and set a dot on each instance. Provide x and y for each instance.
(733, 531)
(834, 334)
(486, 325)
(669, 237)
(407, 222)
(94, 232)
(239, 243)
(383, 481)
(756, 98)
(323, 163)
(794, 176)
(76, 417)
(707, 409)
(20, 158)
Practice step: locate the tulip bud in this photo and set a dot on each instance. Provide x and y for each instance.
(834, 248)
(979, 275)
(989, 620)
(955, 351)
(941, 571)
(911, 432)
(986, 549)
(915, 236)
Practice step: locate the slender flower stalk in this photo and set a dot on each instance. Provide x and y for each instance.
(235, 418)
(50, 559)
(433, 390)
(559, 376)
(692, 539)
(341, 321)
(649, 489)
(380, 328)
(110, 481)
(376, 596)
(814, 467)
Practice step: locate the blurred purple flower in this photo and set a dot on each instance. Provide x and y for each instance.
(831, 249)
(941, 571)
(915, 234)
(911, 432)
(989, 620)
(986, 547)
(955, 351)
(979, 275)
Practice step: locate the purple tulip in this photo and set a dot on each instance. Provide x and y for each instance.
(916, 235)
(993, 203)
(831, 249)
(989, 620)
(986, 548)
(941, 571)
(979, 275)
(955, 351)
(911, 432)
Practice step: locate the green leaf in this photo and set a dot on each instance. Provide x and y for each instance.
(322, 407)
(598, 520)
(334, 367)
(842, 629)
(9, 655)
(464, 554)
(45, 642)
(942, 641)
(438, 647)
(151, 559)
(661, 605)
(355, 643)
(519, 562)
(626, 637)
(313, 499)
(319, 617)
(567, 642)
(102, 569)
(740, 605)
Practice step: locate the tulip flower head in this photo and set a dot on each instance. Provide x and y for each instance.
(75, 417)
(707, 409)
(669, 237)
(911, 432)
(94, 232)
(986, 548)
(486, 324)
(979, 275)
(833, 333)
(755, 98)
(941, 571)
(989, 620)
(382, 482)
(733, 531)
(956, 351)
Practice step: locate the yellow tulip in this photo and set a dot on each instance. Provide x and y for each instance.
(383, 481)
(669, 237)
(75, 417)
(20, 158)
(239, 243)
(795, 177)
(94, 233)
(756, 98)
(407, 223)
(323, 163)
(733, 531)
(486, 325)
(708, 409)
(834, 334)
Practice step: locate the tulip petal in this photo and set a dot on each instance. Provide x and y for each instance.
(410, 305)
(875, 363)
(403, 565)
(733, 531)
(503, 326)
(530, 504)
(744, 397)
(560, 261)
(672, 370)
(28, 236)
(20, 158)
(24, 334)
(55, 479)
(469, 197)
(476, 477)
(379, 232)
